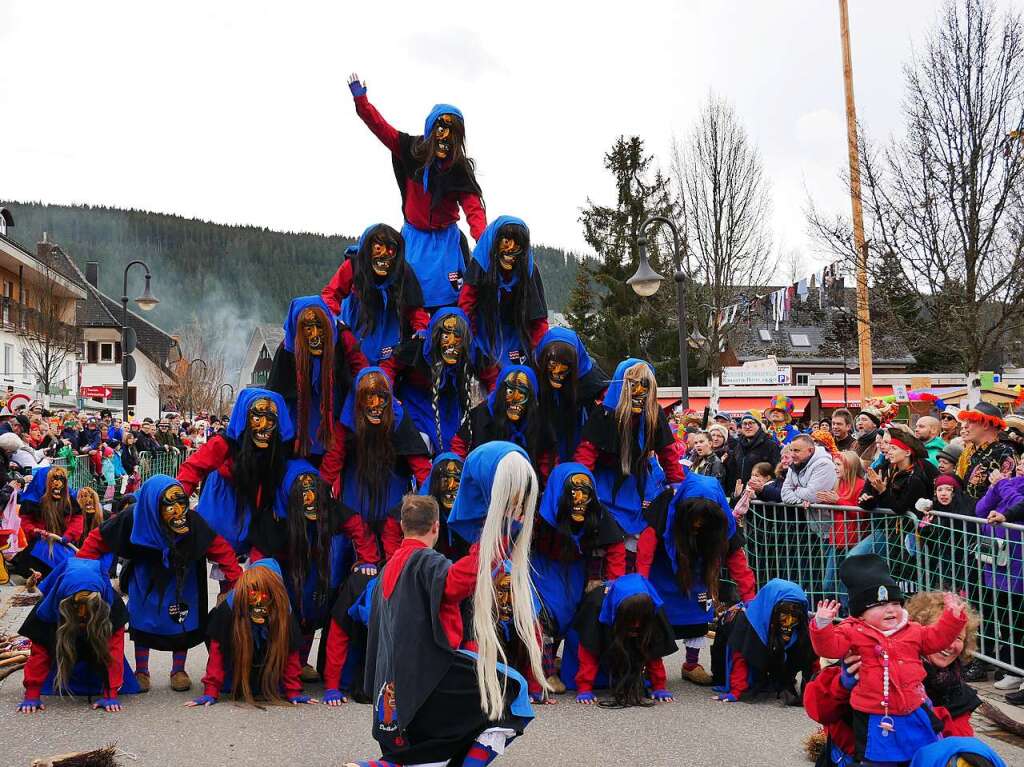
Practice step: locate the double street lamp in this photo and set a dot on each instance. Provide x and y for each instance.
(128, 337)
(191, 388)
(646, 282)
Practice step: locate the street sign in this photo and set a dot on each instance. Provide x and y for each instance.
(747, 375)
(96, 392)
(127, 368)
(129, 340)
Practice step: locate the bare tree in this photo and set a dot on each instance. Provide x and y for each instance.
(724, 206)
(943, 201)
(195, 387)
(51, 338)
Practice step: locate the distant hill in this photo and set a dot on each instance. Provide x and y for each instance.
(228, 277)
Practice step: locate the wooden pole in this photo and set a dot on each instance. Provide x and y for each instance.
(863, 312)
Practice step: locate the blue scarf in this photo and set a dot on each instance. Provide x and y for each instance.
(474, 498)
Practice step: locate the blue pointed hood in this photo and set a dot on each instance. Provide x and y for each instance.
(440, 314)
(68, 578)
(474, 498)
(621, 589)
(436, 461)
(348, 412)
(292, 470)
(437, 111)
(240, 414)
(506, 371)
(584, 361)
(37, 487)
(362, 607)
(482, 251)
(291, 322)
(614, 391)
(941, 754)
(696, 485)
(548, 509)
(147, 527)
(759, 611)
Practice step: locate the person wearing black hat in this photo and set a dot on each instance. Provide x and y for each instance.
(906, 476)
(892, 716)
(984, 452)
(868, 423)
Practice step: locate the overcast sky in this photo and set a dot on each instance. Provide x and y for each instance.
(238, 112)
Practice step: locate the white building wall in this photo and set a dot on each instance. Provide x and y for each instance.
(147, 377)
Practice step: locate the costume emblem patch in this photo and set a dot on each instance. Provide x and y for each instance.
(386, 707)
(883, 594)
(455, 278)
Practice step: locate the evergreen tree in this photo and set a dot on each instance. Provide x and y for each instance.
(579, 312)
(626, 325)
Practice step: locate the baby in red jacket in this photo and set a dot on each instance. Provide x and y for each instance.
(893, 717)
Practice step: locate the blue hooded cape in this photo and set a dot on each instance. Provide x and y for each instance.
(381, 342)
(941, 754)
(500, 349)
(623, 588)
(37, 487)
(686, 609)
(418, 401)
(474, 498)
(217, 503)
(291, 331)
(614, 391)
(292, 470)
(567, 443)
(428, 127)
(759, 611)
(436, 461)
(49, 554)
(518, 434)
(68, 578)
(348, 411)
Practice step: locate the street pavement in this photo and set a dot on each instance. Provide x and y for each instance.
(156, 729)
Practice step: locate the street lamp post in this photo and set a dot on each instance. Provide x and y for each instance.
(145, 302)
(191, 392)
(220, 399)
(646, 282)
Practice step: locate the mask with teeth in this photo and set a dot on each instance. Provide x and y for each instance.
(382, 258)
(174, 509)
(57, 483)
(786, 620)
(449, 477)
(259, 606)
(310, 497)
(313, 331)
(443, 136)
(581, 493)
(638, 392)
(503, 595)
(509, 251)
(557, 373)
(374, 398)
(262, 421)
(517, 393)
(453, 334)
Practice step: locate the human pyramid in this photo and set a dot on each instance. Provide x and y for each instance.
(545, 539)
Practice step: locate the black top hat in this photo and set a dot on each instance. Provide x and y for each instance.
(868, 582)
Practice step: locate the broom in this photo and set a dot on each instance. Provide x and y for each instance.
(100, 757)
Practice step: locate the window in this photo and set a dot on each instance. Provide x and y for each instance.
(27, 368)
(8, 359)
(803, 379)
(8, 289)
(92, 352)
(799, 339)
(765, 334)
(106, 352)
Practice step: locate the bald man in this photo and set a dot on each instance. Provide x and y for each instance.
(927, 429)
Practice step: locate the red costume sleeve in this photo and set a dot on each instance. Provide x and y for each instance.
(587, 672)
(335, 655)
(420, 466)
(459, 447)
(378, 125)
(646, 547)
(334, 460)
(353, 354)
(467, 302)
(391, 537)
(656, 674)
(391, 367)
(338, 287)
(940, 635)
(615, 561)
(488, 377)
(417, 317)
(94, 546)
(35, 672)
(461, 581)
(537, 330)
(668, 457)
(209, 457)
(291, 683)
(832, 641)
(738, 683)
(115, 669)
(741, 573)
(32, 528)
(74, 528)
(221, 554)
(545, 462)
(825, 699)
(475, 213)
(363, 541)
(586, 453)
(959, 727)
(213, 681)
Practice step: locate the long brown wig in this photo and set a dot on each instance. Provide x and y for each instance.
(633, 634)
(88, 498)
(97, 632)
(303, 553)
(704, 548)
(271, 670)
(375, 447)
(55, 512)
(631, 454)
(304, 386)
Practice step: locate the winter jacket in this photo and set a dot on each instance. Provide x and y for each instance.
(903, 647)
(934, 446)
(711, 466)
(750, 452)
(847, 526)
(903, 488)
(803, 483)
(1001, 550)
(867, 446)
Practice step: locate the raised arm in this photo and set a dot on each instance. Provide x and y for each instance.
(368, 114)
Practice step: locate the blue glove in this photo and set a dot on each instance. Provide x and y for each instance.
(728, 697)
(846, 679)
(106, 703)
(31, 705)
(204, 700)
(586, 697)
(536, 697)
(334, 696)
(357, 88)
(299, 699)
(662, 695)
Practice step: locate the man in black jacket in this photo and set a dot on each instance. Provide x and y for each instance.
(755, 446)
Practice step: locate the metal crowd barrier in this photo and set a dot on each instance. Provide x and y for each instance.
(81, 470)
(946, 552)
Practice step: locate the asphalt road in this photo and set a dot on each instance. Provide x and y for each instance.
(158, 730)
